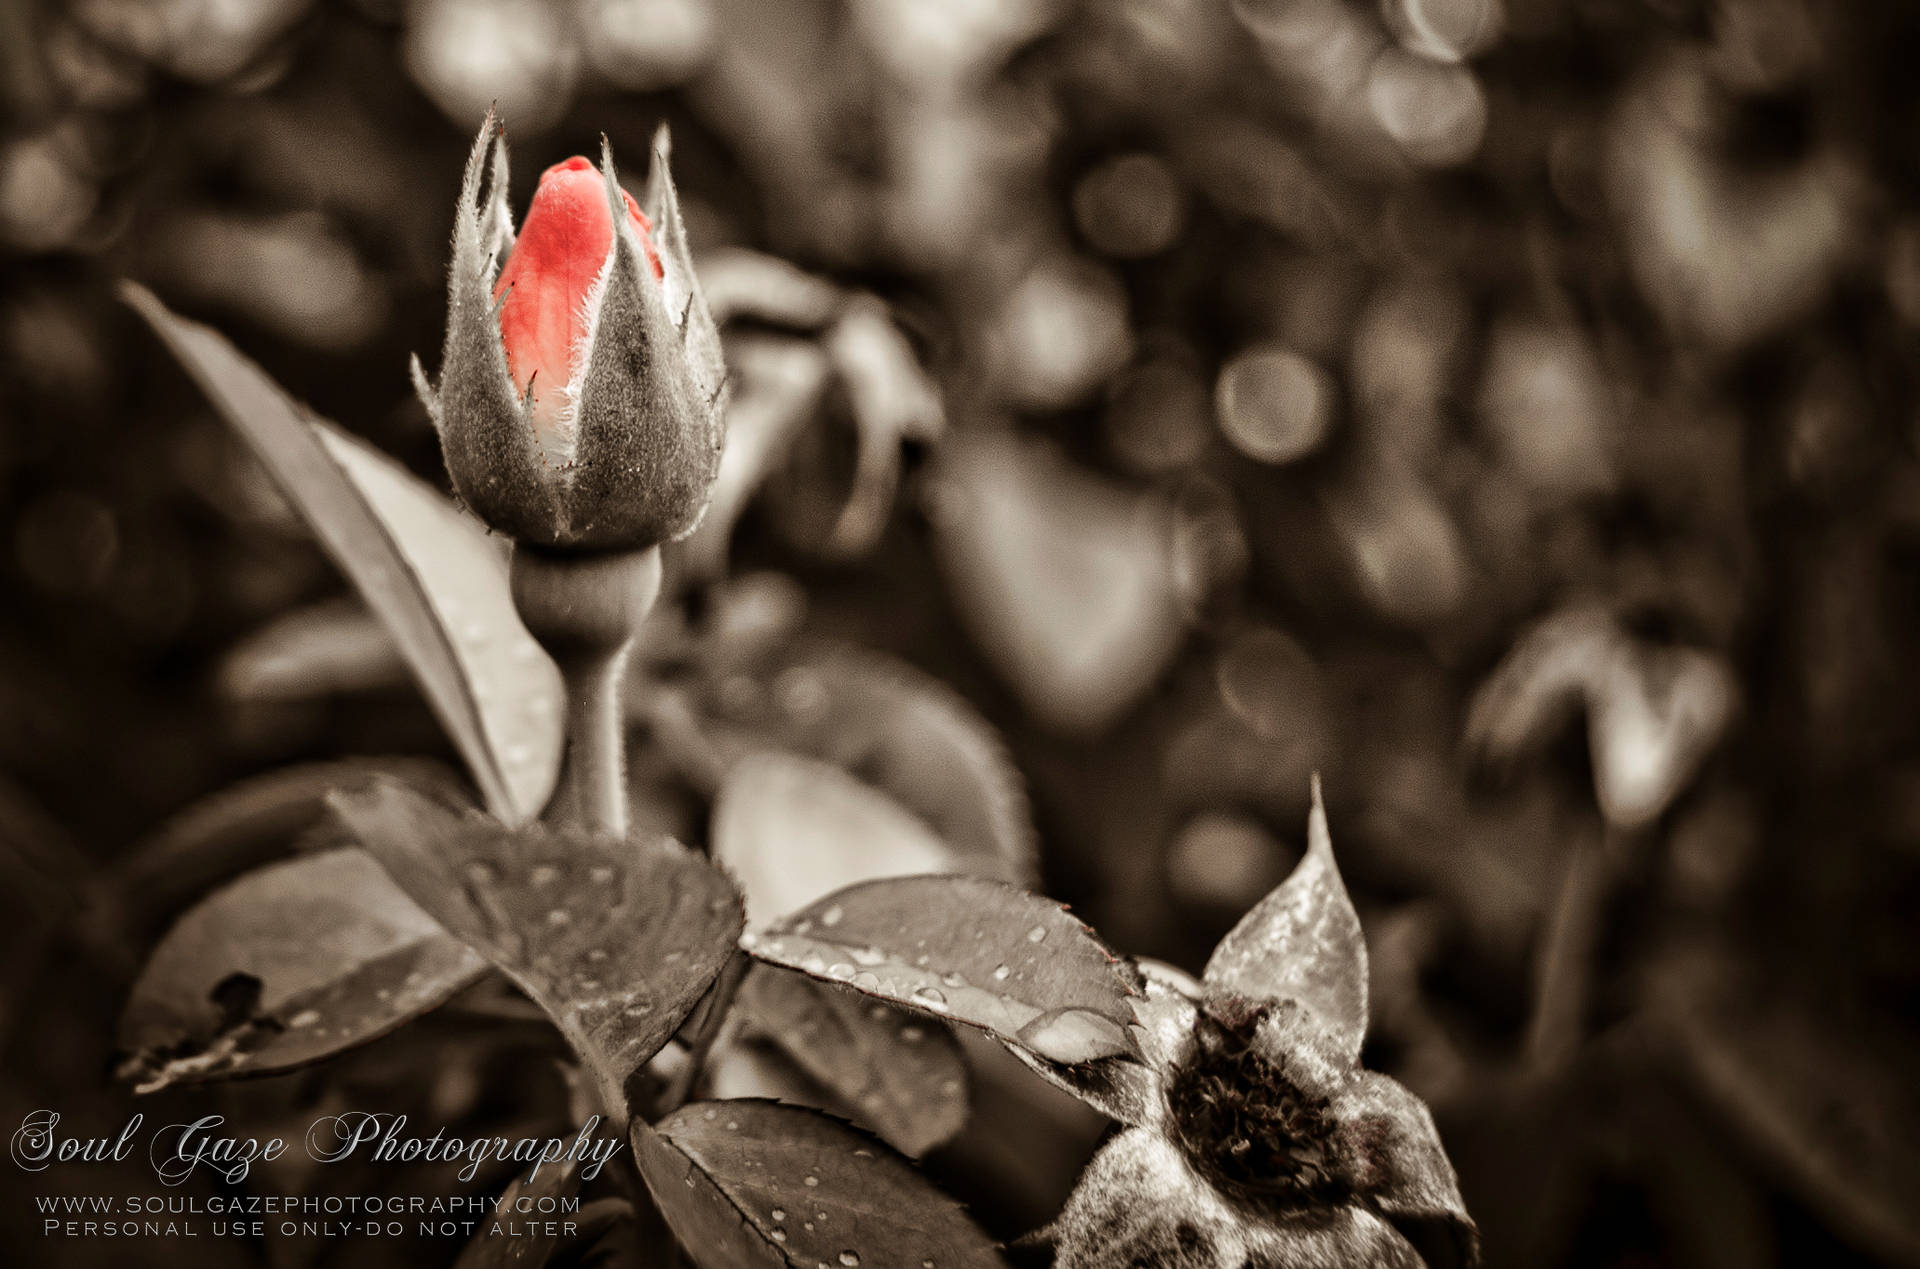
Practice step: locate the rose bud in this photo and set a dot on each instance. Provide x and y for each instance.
(581, 397)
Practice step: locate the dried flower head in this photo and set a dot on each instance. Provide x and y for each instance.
(1254, 1138)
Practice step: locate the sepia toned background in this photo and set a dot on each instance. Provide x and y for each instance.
(1507, 409)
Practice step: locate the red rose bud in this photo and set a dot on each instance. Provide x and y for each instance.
(580, 398)
(545, 290)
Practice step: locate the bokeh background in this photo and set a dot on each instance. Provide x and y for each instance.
(1506, 408)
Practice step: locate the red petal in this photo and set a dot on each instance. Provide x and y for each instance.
(560, 251)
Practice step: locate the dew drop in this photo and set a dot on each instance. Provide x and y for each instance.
(868, 955)
(832, 916)
(812, 1182)
(305, 1018)
(868, 980)
(953, 980)
(1000, 973)
(559, 917)
(814, 964)
(777, 1234)
(543, 874)
(911, 1034)
(930, 997)
(1038, 934)
(1073, 1036)
(840, 970)
(849, 1258)
(749, 940)
(778, 1213)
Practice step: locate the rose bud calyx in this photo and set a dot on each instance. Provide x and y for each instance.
(581, 402)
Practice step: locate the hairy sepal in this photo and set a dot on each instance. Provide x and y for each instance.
(685, 299)
(486, 433)
(648, 438)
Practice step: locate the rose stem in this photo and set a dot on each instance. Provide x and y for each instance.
(1564, 970)
(719, 1001)
(586, 609)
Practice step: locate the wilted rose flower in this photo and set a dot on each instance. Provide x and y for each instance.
(1254, 1140)
(1269, 1149)
(580, 403)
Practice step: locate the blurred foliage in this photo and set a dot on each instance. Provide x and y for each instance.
(1301, 364)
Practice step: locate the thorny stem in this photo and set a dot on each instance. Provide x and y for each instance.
(585, 609)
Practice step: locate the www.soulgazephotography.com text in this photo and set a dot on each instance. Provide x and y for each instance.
(176, 1151)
